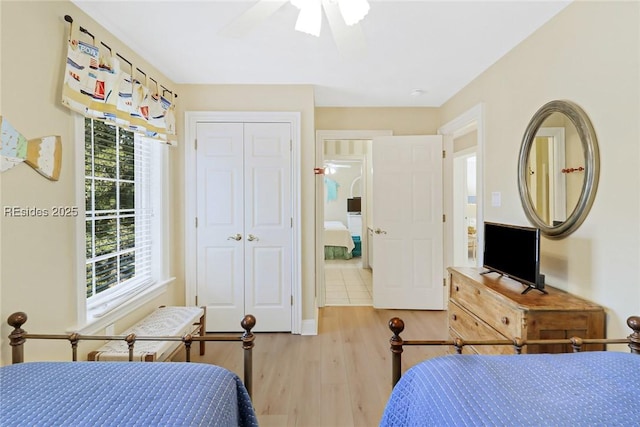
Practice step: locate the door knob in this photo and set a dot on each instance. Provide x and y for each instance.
(236, 237)
(251, 238)
(379, 231)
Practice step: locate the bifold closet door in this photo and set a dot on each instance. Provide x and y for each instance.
(244, 228)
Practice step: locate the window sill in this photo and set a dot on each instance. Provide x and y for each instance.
(94, 324)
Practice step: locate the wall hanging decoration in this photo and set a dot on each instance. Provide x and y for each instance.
(105, 86)
(42, 154)
(332, 189)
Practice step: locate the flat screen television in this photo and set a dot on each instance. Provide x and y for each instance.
(354, 204)
(513, 251)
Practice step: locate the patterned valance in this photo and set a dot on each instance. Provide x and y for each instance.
(98, 84)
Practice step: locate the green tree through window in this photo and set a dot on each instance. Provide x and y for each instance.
(115, 211)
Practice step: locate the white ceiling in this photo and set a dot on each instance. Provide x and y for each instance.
(434, 46)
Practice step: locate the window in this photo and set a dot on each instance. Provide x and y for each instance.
(119, 220)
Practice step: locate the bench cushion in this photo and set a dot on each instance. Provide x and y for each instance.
(164, 321)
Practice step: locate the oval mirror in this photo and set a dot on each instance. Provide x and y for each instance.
(558, 168)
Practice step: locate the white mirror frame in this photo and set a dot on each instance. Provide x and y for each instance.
(592, 167)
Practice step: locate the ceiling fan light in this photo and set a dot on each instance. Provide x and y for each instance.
(353, 10)
(310, 16)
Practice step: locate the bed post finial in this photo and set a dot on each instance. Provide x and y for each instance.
(247, 323)
(16, 337)
(187, 340)
(397, 326)
(634, 338)
(131, 342)
(576, 344)
(517, 345)
(458, 344)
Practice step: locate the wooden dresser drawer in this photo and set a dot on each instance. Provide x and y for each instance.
(467, 326)
(489, 306)
(502, 317)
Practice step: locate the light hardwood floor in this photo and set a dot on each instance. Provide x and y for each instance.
(341, 377)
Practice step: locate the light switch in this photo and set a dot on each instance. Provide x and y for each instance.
(496, 199)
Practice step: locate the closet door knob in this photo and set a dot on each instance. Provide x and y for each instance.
(379, 231)
(236, 237)
(251, 238)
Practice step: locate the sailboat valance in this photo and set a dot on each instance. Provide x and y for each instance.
(98, 84)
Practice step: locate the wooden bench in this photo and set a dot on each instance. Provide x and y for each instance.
(163, 322)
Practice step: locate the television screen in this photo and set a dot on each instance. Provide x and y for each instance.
(513, 251)
(354, 204)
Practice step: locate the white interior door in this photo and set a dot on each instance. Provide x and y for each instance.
(244, 229)
(220, 228)
(268, 225)
(407, 218)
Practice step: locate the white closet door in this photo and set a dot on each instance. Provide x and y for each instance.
(220, 207)
(268, 218)
(244, 234)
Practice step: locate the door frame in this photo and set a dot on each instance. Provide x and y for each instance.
(460, 241)
(192, 118)
(470, 120)
(321, 137)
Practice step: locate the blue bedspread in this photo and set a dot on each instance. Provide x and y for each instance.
(591, 388)
(122, 394)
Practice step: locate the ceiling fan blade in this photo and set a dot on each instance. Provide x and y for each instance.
(252, 18)
(349, 38)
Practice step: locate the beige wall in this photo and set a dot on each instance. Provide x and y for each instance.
(402, 121)
(38, 266)
(589, 54)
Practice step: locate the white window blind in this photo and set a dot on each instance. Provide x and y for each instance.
(118, 216)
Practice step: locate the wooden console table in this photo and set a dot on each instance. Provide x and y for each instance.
(492, 307)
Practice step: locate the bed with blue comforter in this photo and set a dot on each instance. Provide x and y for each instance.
(577, 389)
(122, 394)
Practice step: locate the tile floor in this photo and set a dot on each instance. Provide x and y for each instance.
(347, 283)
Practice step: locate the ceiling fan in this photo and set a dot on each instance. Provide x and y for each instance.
(331, 168)
(336, 165)
(343, 17)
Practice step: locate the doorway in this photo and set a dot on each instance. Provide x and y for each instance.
(387, 269)
(464, 142)
(347, 280)
(465, 224)
(334, 277)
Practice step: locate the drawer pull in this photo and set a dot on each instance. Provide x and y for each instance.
(457, 288)
(505, 320)
(454, 317)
